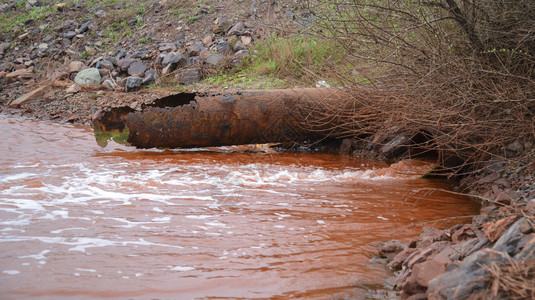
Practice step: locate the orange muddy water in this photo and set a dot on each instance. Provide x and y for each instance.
(80, 221)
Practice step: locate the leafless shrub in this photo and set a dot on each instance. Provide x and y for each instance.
(460, 74)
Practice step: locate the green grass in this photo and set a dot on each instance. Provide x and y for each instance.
(302, 58)
(17, 18)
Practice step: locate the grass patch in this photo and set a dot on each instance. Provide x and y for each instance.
(301, 58)
(18, 18)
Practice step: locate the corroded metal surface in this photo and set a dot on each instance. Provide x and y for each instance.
(215, 119)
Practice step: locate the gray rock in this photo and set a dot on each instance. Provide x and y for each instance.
(396, 145)
(132, 84)
(88, 76)
(194, 49)
(137, 67)
(189, 76)
(106, 65)
(223, 47)
(4, 47)
(69, 34)
(509, 241)
(83, 28)
(221, 25)
(47, 38)
(214, 59)
(164, 47)
(175, 59)
(467, 278)
(239, 46)
(150, 77)
(124, 64)
(109, 85)
(238, 29)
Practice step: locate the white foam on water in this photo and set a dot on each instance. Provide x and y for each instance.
(11, 272)
(180, 268)
(200, 217)
(39, 256)
(86, 270)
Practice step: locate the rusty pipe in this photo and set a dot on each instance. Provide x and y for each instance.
(215, 119)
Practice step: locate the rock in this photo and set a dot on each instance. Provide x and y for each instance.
(88, 76)
(238, 46)
(137, 68)
(493, 230)
(69, 34)
(189, 76)
(106, 65)
(238, 29)
(29, 97)
(167, 70)
(426, 271)
(91, 51)
(396, 145)
(345, 146)
(132, 84)
(515, 146)
(108, 85)
(76, 66)
(175, 59)
(214, 59)
(150, 77)
(397, 262)
(83, 28)
(509, 241)
(223, 47)
(23, 36)
(220, 25)
(207, 41)
(526, 227)
(466, 279)
(429, 235)
(3, 47)
(73, 89)
(530, 206)
(19, 75)
(124, 64)
(60, 6)
(462, 234)
(194, 49)
(411, 287)
(528, 252)
(246, 40)
(164, 47)
(390, 249)
(43, 46)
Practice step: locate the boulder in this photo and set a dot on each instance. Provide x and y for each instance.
(133, 84)
(124, 64)
(390, 249)
(237, 29)
(214, 59)
(150, 77)
(137, 68)
(426, 271)
(189, 76)
(220, 25)
(88, 76)
(174, 59)
(465, 280)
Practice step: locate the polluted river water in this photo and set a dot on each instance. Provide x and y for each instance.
(81, 221)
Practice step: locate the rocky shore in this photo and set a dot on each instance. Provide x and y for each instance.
(65, 61)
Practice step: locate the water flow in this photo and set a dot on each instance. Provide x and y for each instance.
(80, 221)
